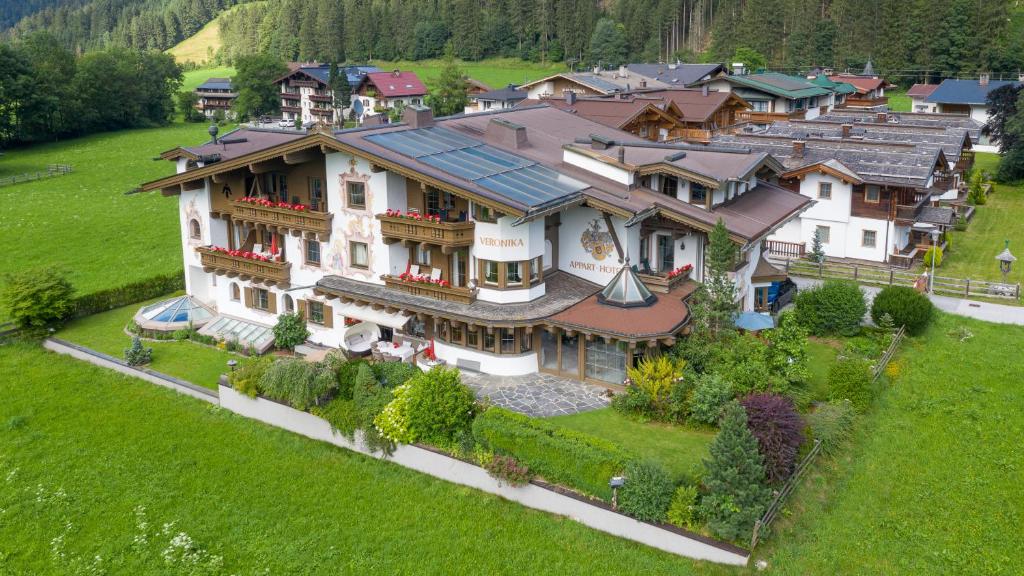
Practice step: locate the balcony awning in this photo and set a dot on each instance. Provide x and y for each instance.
(393, 320)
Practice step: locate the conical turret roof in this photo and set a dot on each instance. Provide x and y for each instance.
(626, 290)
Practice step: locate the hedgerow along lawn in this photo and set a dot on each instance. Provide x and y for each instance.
(83, 222)
(189, 361)
(973, 254)
(84, 446)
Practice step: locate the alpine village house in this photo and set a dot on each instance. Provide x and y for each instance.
(512, 241)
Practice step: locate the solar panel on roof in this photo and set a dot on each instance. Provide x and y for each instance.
(514, 177)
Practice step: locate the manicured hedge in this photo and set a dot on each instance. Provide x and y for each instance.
(146, 289)
(560, 455)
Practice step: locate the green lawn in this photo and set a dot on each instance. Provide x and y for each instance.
(190, 361)
(898, 100)
(932, 483)
(194, 78)
(495, 72)
(680, 450)
(83, 222)
(1002, 218)
(821, 354)
(82, 447)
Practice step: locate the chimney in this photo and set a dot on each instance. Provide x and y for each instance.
(846, 130)
(798, 148)
(622, 155)
(881, 117)
(597, 70)
(643, 83)
(622, 72)
(570, 97)
(418, 116)
(704, 90)
(983, 79)
(212, 131)
(505, 134)
(373, 120)
(396, 73)
(1020, 76)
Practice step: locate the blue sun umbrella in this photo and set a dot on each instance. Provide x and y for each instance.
(754, 321)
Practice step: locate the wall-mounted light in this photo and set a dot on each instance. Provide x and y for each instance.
(226, 191)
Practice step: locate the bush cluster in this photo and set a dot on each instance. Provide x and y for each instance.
(850, 379)
(136, 354)
(906, 306)
(560, 455)
(290, 331)
(508, 470)
(298, 383)
(831, 423)
(779, 430)
(130, 293)
(710, 395)
(36, 299)
(647, 493)
(833, 307)
(434, 407)
(246, 377)
(684, 510)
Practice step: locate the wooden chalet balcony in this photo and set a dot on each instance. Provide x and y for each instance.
(965, 162)
(295, 109)
(861, 102)
(291, 95)
(304, 83)
(943, 182)
(295, 221)
(783, 249)
(447, 235)
(695, 135)
(321, 111)
(321, 98)
(272, 273)
(447, 293)
(755, 117)
(910, 213)
(660, 283)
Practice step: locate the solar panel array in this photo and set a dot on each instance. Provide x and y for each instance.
(518, 179)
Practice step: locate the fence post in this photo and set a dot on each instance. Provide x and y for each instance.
(967, 288)
(753, 537)
(821, 269)
(855, 268)
(892, 276)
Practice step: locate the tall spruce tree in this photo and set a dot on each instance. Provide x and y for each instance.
(720, 290)
(734, 477)
(817, 248)
(450, 94)
(608, 44)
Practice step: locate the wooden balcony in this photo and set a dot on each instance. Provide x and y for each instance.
(321, 111)
(271, 273)
(855, 101)
(295, 109)
(694, 135)
(447, 293)
(306, 222)
(447, 235)
(321, 98)
(660, 283)
(755, 117)
(909, 213)
(781, 249)
(291, 95)
(304, 83)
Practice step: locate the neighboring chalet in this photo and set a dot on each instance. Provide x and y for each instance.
(840, 90)
(307, 96)
(869, 91)
(969, 98)
(379, 92)
(918, 93)
(500, 99)
(703, 111)
(595, 83)
(508, 242)
(677, 75)
(874, 199)
(215, 95)
(864, 117)
(773, 96)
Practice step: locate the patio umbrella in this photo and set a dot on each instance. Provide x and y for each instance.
(754, 321)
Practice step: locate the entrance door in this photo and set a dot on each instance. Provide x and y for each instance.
(570, 358)
(548, 351)
(666, 254)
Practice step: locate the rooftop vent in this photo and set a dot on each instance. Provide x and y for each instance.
(676, 156)
(846, 130)
(396, 72)
(799, 147)
(212, 131)
(501, 132)
(570, 97)
(418, 116)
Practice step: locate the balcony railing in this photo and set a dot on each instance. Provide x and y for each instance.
(304, 83)
(755, 117)
(273, 273)
(295, 109)
(321, 111)
(305, 221)
(784, 249)
(291, 95)
(660, 282)
(435, 291)
(443, 234)
(321, 98)
(910, 213)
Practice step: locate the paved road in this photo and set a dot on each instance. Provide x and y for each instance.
(999, 313)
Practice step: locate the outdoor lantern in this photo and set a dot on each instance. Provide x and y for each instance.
(232, 363)
(1006, 260)
(616, 482)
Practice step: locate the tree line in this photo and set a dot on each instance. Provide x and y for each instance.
(47, 91)
(907, 40)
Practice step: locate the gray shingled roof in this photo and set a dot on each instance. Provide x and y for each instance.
(675, 74)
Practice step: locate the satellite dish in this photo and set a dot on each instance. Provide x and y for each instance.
(357, 106)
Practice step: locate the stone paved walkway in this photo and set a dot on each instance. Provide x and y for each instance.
(538, 395)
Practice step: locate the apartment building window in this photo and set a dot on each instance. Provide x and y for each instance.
(432, 201)
(194, 231)
(356, 195)
(824, 233)
(535, 267)
(316, 195)
(459, 260)
(759, 105)
(359, 254)
(236, 293)
(278, 187)
(525, 342)
(315, 311)
(260, 299)
(508, 340)
(698, 193)
(669, 186)
(483, 213)
(825, 190)
(666, 254)
(312, 252)
(513, 274)
(872, 194)
(868, 239)
(456, 333)
(490, 272)
(489, 341)
(423, 254)
(472, 337)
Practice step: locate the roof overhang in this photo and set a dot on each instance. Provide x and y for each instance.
(823, 168)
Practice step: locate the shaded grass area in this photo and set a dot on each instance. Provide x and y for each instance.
(930, 484)
(1001, 218)
(495, 72)
(194, 78)
(680, 450)
(266, 500)
(189, 361)
(83, 222)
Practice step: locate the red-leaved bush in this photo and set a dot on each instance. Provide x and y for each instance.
(774, 421)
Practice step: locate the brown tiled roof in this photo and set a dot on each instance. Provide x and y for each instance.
(921, 90)
(614, 112)
(663, 318)
(863, 84)
(695, 106)
(237, 143)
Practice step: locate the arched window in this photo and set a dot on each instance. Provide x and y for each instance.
(194, 231)
(235, 292)
(289, 304)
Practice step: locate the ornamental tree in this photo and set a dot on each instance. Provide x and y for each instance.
(36, 299)
(774, 421)
(737, 493)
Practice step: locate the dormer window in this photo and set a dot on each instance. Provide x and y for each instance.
(669, 186)
(698, 193)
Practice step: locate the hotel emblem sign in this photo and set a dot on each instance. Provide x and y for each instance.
(597, 242)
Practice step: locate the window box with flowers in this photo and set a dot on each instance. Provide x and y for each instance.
(423, 286)
(260, 267)
(665, 282)
(285, 215)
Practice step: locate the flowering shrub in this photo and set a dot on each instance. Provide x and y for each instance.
(421, 279)
(241, 254)
(682, 270)
(412, 216)
(508, 470)
(271, 204)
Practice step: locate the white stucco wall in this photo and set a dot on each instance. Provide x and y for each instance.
(497, 364)
(600, 264)
(597, 167)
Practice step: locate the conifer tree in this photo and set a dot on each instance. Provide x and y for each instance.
(450, 95)
(817, 248)
(720, 290)
(735, 478)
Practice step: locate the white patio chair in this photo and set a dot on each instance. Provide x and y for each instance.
(435, 274)
(414, 270)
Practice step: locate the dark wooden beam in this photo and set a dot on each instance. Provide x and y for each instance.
(274, 165)
(302, 156)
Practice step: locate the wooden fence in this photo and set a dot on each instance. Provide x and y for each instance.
(763, 523)
(51, 171)
(949, 286)
(897, 338)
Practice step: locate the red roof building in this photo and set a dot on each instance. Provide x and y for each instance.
(396, 84)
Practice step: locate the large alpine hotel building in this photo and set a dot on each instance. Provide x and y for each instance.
(516, 241)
